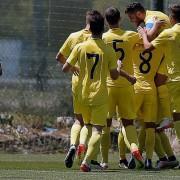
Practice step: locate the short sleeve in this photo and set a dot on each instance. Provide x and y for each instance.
(73, 58)
(65, 50)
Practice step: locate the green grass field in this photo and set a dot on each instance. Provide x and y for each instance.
(41, 166)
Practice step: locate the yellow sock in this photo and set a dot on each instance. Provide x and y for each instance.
(130, 137)
(141, 139)
(177, 128)
(75, 132)
(105, 144)
(93, 146)
(166, 144)
(121, 146)
(85, 134)
(96, 155)
(150, 142)
(158, 146)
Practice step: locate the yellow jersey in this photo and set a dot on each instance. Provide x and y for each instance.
(163, 68)
(170, 38)
(122, 45)
(149, 19)
(146, 65)
(95, 59)
(69, 44)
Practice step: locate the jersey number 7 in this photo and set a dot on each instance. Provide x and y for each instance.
(96, 56)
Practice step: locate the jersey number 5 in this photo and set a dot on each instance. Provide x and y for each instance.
(145, 65)
(115, 42)
(96, 56)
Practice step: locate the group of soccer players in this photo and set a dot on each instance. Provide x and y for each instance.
(134, 76)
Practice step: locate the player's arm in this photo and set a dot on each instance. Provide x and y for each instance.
(71, 61)
(147, 44)
(160, 79)
(130, 78)
(64, 51)
(60, 58)
(163, 39)
(115, 73)
(152, 28)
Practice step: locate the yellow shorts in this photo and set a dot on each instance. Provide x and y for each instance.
(146, 105)
(164, 108)
(76, 105)
(122, 100)
(174, 91)
(95, 115)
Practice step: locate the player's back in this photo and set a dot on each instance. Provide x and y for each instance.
(121, 43)
(146, 64)
(95, 60)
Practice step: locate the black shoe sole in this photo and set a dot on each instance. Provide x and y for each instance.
(69, 159)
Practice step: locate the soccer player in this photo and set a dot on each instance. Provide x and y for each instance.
(170, 38)
(63, 54)
(141, 17)
(96, 60)
(138, 15)
(145, 66)
(121, 91)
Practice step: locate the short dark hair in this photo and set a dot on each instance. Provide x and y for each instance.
(96, 22)
(134, 7)
(175, 11)
(112, 15)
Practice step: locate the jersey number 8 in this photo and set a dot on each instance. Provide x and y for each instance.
(145, 65)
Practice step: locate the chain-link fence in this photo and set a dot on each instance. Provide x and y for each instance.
(31, 32)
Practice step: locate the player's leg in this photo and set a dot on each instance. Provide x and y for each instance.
(75, 132)
(98, 116)
(105, 141)
(164, 121)
(168, 149)
(105, 144)
(127, 112)
(174, 89)
(150, 116)
(85, 133)
(123, 163)
(142, 136)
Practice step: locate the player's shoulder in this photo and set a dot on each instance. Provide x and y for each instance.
(167, 33)
(106, 35)
(130, 33)
(76, 34)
